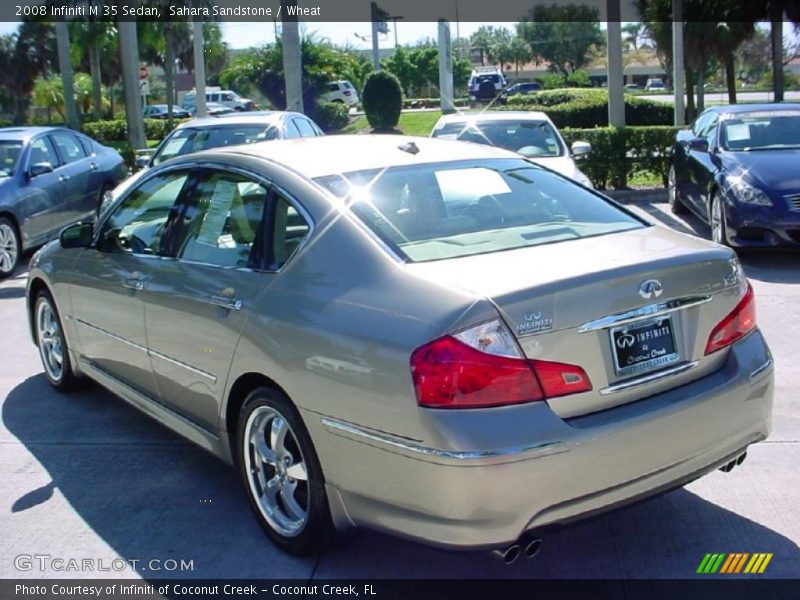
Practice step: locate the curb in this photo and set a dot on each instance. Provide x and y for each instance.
(651, 195)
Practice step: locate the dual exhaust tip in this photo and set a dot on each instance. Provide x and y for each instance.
(527, 546)
(728, 467)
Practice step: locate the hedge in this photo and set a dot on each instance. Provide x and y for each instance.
(117, 130)
(589, 108)
(331, 116)
(619, 153)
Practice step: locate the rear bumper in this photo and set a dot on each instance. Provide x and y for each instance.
(495, 474)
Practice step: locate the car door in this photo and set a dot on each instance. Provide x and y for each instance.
(80, 197)
(701, 164)
(41, 195)
(108, 279)
(197, 304)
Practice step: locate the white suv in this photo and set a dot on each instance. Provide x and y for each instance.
(341, 91)
(485, 84)
(219, 96)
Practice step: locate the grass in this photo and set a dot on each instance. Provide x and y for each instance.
(411, 123)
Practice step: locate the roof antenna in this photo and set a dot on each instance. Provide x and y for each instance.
(409, 147)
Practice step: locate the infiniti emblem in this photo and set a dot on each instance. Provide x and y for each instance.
(625, 341)
(650, 288)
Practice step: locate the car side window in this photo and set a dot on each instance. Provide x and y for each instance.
(42, 152)
(222, 220)
(290, 130)
(709, 131)
(306, 130)
(69, 148)
(289, 230)
(140, 223)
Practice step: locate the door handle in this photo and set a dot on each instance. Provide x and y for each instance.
(134, 282)
(93, 166)
(63, 178)
(226, 302)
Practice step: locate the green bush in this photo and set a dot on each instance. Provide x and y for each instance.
(117, 130)
(331, 116)
(619, 153)
(585, 108)
(382, 99)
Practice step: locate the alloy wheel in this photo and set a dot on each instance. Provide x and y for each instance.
(717, 222)
(51, 341)
(276, 471)
(9, 249)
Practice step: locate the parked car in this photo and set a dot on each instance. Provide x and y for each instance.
(161, 111)
(435, 339)
(341, 91)
(522, 89)
(736, 168)
(654, 85)
(214, 109)
(226, 130)
(528, 133)
(485, 84)
(50, 177)
(217, 95)
(632, 86)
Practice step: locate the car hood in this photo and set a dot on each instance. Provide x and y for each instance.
(772, 170)
(565, 166)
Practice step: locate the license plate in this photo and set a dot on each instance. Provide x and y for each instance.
(643, 346)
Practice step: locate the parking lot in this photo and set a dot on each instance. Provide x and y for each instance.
(86, 476)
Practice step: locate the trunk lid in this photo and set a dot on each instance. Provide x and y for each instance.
(575, 301)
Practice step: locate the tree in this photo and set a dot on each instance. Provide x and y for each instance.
(520, 53)
(25, 55)
(48, 93)
(499, 51)
(633, 34)
(562, 35)
(382, 100)
(775, 11)
(481, 40)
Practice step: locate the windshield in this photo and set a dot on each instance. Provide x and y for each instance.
(9, 156)
(448, 210)
(775, 130)
(532, 139)
(188, 140)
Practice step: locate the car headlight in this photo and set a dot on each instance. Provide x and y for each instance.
(746, 193)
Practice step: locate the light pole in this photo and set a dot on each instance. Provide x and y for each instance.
(678, 73)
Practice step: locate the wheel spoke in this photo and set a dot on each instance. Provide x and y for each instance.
(277, 436)
(294, 509)
(265, 453)
(298, 471)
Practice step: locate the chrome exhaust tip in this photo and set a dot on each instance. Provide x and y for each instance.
(508, 555)
(741, 459)
(532, 546)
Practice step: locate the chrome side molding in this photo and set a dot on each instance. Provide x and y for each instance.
(651, 310)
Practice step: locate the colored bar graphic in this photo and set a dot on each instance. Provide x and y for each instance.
(734, 562)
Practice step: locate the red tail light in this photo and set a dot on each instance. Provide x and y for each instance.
(738, 323)
(483, 367)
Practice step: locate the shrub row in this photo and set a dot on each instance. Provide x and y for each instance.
(117, 130)
(331, 116)
(619, 153)
(586, 108)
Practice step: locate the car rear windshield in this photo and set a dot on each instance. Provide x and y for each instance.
(532, 139)
(766, 130)
(9, 156)
(447, 210)
(190, 139)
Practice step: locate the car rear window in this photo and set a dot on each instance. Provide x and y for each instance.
(9, 156)
(448, 210)
(532, 139)
(188, 140)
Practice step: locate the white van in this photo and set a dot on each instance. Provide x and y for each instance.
(219, 96)
(340, 91)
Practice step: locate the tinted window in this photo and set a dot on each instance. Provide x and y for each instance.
(139, 223)
(291, 131)
(766, 130)
(9, 156)
(333, 87)
(69, 148)
(288, 233)
(188, 140)
(529, 138)
(446, 210)
(42, 152)
(305, 127)
(222, 220)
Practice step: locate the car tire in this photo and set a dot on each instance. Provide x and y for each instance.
(10, 247)
(52, 343)
(274, 453)
(716, 218)
(676, 205)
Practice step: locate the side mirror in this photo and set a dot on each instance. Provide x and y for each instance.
(142, 160)
(698, 144)
(79, 235)
(41, 168)
(580, 149)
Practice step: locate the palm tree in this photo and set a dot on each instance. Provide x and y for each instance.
(633, 33)
(65, 66)
(481, 40)
(521, 53)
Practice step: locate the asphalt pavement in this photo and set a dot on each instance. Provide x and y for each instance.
(84, 476)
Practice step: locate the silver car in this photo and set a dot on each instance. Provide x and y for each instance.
(431, 338)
